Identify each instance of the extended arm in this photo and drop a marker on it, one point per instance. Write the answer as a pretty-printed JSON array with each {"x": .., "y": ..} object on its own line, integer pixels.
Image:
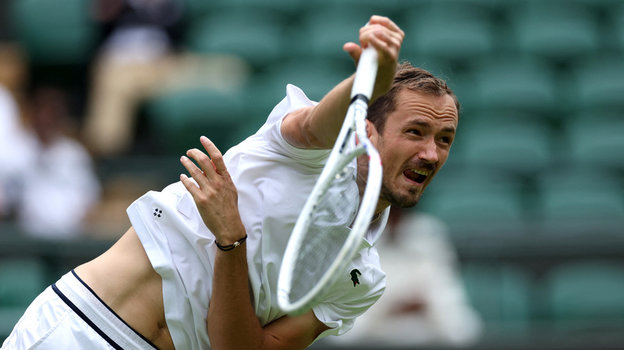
[
  {"x": 231, "y": 321},
  {"x": 318, "y": 126}
]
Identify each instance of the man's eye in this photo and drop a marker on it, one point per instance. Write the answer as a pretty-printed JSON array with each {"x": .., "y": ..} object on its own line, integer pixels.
[{"x": 414, "y": 131}]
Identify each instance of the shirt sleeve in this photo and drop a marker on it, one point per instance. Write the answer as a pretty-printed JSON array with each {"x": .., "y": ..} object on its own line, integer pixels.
[
  {"x": 271, "y": 131},
  {"x": 340, "y": 316},
  {"x": 345, "y": 300}
]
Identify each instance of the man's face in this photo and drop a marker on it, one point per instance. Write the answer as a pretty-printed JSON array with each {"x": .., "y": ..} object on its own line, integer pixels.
[{"x": 413, "y": 145}]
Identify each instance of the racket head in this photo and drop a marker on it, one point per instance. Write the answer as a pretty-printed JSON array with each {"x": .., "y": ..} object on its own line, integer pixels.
[
  {"x": 331, "y": 226},
  {"x": 320, "y": 240},
  {"x": 337, "y": 214}
]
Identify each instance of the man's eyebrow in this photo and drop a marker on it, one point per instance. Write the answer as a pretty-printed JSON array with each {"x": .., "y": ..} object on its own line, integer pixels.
[
  {"x": 419, "y": 122},
  {"x": 422, "y": 123},
  {"x": 451, "y": 129}
]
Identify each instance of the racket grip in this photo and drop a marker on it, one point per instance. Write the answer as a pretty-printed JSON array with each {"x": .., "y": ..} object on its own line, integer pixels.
[{"x": 365, "y": 73}]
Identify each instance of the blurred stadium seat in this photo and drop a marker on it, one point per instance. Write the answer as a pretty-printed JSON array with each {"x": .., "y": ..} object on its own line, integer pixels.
[
  {"x": 322, "y": 31},
  {"x": 586, "y": 295},
  {"x": 516, "y": 145},
  {"x": 390, "y": 8},
  {"x": 215, "y": 7},
  {"x": 514, "y": 83},
  {"x": 197, "y": 8},
  {"x": 180, "y": 117},
  {"x": 558, "y": 30},
  {"x": 254, "y": 35},
  {"x": 501, "y": 294},
  {"x": 316, "y": 76},
  {"x": 453, "y": 31},
  {"x": 55, "y": 32},
  {"x": 595, "y": 139},
  {"x": 25, "y": 280},
  {"x": 597, "y": 83},
  {"x": 580, "y": 200},
  {"x": 616, "y": 17},
  {"x": 22, "y": 279},
  {"x": 475, "y": 201}
]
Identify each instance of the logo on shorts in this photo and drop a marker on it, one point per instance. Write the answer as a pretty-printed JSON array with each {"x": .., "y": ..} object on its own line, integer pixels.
[
  {"x": 157, "y": 212},
  {"x": 354, "y": 276}
]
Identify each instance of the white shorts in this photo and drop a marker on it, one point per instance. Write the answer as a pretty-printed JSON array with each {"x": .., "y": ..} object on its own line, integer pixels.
[{"x": 68, "y": 315}]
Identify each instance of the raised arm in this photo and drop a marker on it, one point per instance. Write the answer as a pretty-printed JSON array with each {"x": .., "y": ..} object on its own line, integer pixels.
[
  {"x": 231, "y": 320},
  {"x": 318, "y": 126}
]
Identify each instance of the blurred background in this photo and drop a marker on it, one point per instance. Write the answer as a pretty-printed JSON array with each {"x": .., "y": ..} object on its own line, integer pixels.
[{"x": 518, "y": 244}]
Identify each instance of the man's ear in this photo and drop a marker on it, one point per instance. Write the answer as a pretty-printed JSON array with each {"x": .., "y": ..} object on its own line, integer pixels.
[
  {"x": 373, "y": 134},
  {"x": 370, "y": 129}
]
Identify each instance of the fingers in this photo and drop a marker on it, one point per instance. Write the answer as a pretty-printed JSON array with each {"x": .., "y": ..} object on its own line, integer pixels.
[
  {"x": 202, "y": 170},
  {"x": 214, "y": 154},
  {"x": 384, "y": 35},
  {"x": 214, "y": 192},
  {"x": 209, "y": 166},
  {"x": 386, "y": 22},
  {"x": 387, "y": 44},
  {"x": 354, "y": 50},
  {"x": 190, "y": 186},
  {"x": 210, "y": 163}
]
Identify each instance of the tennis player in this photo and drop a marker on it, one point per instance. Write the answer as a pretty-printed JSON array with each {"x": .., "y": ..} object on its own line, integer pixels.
[{"x": 199, "y": 266}]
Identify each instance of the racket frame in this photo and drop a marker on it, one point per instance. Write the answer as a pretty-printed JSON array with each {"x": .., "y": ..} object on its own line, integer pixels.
[{"x": 341, "y": 154}]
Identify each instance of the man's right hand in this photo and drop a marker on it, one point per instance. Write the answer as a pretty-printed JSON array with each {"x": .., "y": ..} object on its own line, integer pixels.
[{"x": 387, "y": 38}]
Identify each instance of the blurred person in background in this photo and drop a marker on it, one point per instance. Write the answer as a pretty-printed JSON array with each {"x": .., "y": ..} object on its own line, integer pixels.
[
  {"x": 139, "y": 59},
  {"x": 12, "y": 137},
  {"x": 13, "y": 77},
  {"x": 425, "y": 303},
  {"x": 134, "y": 61},
  {"x": 49, "y": 175}
]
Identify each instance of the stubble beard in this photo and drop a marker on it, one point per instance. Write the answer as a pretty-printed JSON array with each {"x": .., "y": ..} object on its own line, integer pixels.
[{"x": 401, "y": 200}]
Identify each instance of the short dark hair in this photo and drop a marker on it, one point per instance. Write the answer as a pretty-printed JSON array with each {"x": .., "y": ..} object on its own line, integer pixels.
[{"x": 412, "y": 78}]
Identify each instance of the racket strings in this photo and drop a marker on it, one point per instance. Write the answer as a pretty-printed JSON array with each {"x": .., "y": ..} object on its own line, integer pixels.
[{"x": 327, "y": 231}]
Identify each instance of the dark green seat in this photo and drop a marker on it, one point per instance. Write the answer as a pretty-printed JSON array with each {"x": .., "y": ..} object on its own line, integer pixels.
[
  {"x": 55, "y": 31},
  {"x": 505, "y": 83},
  {"x": 558, "y": 30},
  {"x": 179, "y": 118},
  {"x": 256, "y": 36},
  {"x": 324, "y": 30},
  {"x": 472, "y": 201},
  {"x": 595, "y": 139},
  {"x": 316, "y": 76},
  {"x": 616, "y": 21},
  {"x": 597, "y": 84},
  {"x": 587, "y": 295},
  {"x": 572, "y": 204},
  {"x": 518, "y": 146},
  {"x": 501, "y": 294},
  {"x": 447, "y": 30},
  {"x": 21, "y": 280}
]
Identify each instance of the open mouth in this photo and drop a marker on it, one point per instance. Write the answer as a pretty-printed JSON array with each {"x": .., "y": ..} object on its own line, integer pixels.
[{"x": 416, "y": 175}]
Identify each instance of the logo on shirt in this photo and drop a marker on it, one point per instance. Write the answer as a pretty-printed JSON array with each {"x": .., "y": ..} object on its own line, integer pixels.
[
  {"x": 354, "y": 276},
  {"x": 157, "y": 212}
]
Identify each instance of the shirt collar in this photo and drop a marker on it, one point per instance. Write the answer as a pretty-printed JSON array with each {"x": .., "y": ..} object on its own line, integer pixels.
[{"x": 377, "y": 227}]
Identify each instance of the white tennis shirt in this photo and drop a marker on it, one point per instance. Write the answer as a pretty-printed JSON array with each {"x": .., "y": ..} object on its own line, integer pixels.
[{"x": 273, "y": 180}]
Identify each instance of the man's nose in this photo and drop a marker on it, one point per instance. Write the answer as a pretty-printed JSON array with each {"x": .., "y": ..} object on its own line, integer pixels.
[{"x": 429, "y": 151}]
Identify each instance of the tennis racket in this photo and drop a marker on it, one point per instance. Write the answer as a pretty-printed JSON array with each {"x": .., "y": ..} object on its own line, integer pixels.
[{"x": 334, "y": 219}]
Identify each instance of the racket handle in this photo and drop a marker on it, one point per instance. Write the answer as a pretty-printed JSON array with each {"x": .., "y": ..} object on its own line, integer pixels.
[{"x": 365, "y": 73}]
